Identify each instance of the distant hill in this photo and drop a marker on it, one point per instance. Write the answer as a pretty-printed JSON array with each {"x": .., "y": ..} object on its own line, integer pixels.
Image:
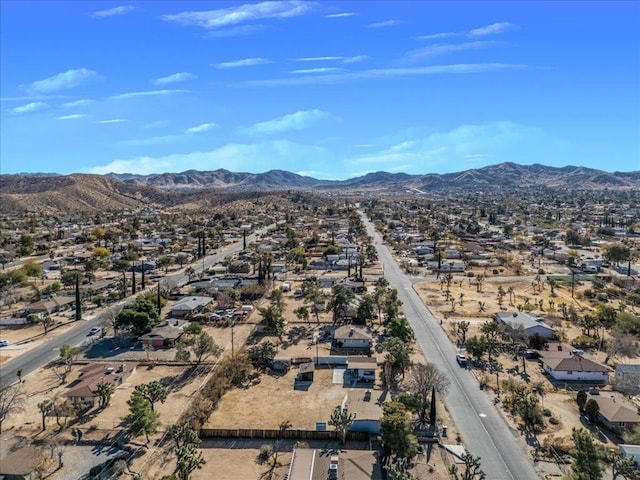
[
  {"x": 114, "y": 191},
  {"x": 75, "y": 192}
]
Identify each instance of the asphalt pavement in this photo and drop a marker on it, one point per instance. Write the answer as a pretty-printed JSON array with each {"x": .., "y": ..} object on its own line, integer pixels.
[{"x": 484, "y": 432}]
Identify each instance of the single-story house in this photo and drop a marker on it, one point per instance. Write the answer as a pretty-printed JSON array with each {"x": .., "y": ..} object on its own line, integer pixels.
[
  {"x": 628, "y": 378},
  {"x": 616, "y": 412},
  {"x": 566, "y": 365},
  {"x": 349, "y": 336},
  {"x": 309, "y": 463},
  {"x": 189, "y": 305},
  {"x": 21, "y": 464},
  {"x": 50, "y": 305},
  {"x": 84, "y": 390},
  {"x": 529, "y": 323},
  {"x": 363, "y": 367},
  {"x": 630, "y": 451},
  {"x": 164, "y": 335}
]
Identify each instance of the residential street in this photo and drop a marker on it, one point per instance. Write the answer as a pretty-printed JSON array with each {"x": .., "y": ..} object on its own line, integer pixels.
[
  {"x": 483, "y": 430},
  {"x": 40, "y": 356}
]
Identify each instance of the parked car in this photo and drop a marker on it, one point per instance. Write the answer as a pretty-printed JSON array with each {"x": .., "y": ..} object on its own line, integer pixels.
[
  {"x": 4, "y": 343},
  {"x": 95, "y": 330},
  {"x": 461, "y": 359}
]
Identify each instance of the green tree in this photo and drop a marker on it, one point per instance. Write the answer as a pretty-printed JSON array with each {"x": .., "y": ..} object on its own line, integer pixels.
[
  {"x": 204, "y": 346},
  {"x": 586, "y": 457},
  {"x": 398, "y": 353},
  {"x": 365, "y": 309},
  {"x": 78, "y": 302},
  {"x": 476, "y": 347},
  {"x": 46, "y": 322},
  {"x": 396, "y": 433},
  {"x": 165, "y": 262},
  {"x": 472, "y": 470},
  {"x": 272, "y": 320},
  {"x": 141, "y": 419},
  {"x": 188, "y": 460},
  {"x": 621, "y": 466},
  {"x": 262, "y": 354},
  {"x": 32, "y": 269},
  {"x": 633, "y": 437},
  {"x": 183, "y": 434},
  {"x": 398, "y": 327},
  {"x": 339, "y": 302},
  {"x": 592, "y": 409},
  {"x": 341, "y": 420},
  {"x": 105, "y": 390},
  {"x": 616, "y": 253},
  {"x": 581, "y": 400},
  {"x": 153, "y": 392}
]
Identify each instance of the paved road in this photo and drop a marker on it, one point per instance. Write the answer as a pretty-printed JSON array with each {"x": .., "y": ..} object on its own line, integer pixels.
[
  {"x": 50, "y": 350},
  {"x": 483, "y": 430}
]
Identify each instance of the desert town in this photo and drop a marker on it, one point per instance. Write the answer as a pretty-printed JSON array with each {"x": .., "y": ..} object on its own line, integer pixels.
[{"x": 305, "y": 335}]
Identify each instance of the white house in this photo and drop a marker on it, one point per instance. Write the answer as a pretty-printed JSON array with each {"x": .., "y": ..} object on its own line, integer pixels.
[
  {"x": 363, "y": 367},
  {"x": 349, "y": 336},
  {"x": 573, "y": 367},
  {"x": 530, "y": 323}
]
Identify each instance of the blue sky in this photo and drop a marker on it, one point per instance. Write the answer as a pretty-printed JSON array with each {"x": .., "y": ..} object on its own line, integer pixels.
[{"x": 330, "y": 89}]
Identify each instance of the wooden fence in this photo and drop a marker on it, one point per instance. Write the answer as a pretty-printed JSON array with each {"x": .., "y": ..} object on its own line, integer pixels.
[{"x": 273, "y": 434}]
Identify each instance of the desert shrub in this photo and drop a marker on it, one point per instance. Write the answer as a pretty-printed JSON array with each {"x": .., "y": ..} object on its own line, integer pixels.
[
  {"x": 585, "y": 341},
  {"x": 546, "y": 412},
  {"x": 554, "y": 421},
  {"x": 588, "y": 293}
]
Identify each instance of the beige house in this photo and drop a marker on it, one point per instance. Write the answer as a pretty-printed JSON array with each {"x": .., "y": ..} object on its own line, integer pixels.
[
  {"x": 616, "y": 412},
  {"x": 84, "y": 392}
]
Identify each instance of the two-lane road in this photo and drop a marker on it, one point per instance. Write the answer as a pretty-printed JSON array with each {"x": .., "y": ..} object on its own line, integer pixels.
[
  {"x": 483, "y": 430},
  {"x": 50, "y": 350}
]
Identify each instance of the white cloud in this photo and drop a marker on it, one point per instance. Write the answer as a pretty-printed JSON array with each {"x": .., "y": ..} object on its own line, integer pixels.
[
  {"x": 237, "y": 31},
  {"x": 147, "y": 93},
  {"x": 340, "y": 59},
  {"x": 492, "y": 29},
  {"x": 174, "y": 78},
  {"x": 205, "y": 127},
  {"x": 244, "y": 62},
  {"x": 340, "y": 15},
  {"x": 30, "y": 107},
  {"x": 226, "y": 17},
  {"x": 65, "y": 80},
  {"x": 316, "y": 70},
  {"x": 113, "y": 11},
  {"x": 457, "y": 148},
  {"x": 446, "y": 48},
  {"x": 381, "y": 73},
  {"x": 356, "y": 59},
  {"x": 386, "y": 23},
  {"x": 317, "y": 59},
  {"x": 112, "y": 120},
  {"x": 253, "y": 157},
  {"x": 73, "y": 116},
  {"x": 78, "y": 103},
  {"x": 287, "y": 123}
]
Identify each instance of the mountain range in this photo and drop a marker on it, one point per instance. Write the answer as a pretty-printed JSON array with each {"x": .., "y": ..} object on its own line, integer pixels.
[
  {"x": 76, "y": 192},
  {"x": 504, "y": 175}
]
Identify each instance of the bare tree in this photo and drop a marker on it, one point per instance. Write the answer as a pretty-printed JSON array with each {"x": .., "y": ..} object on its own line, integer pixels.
[
  {"x": 12, "y": 400},
  {"x": 623, "y": 344},
  {"x": 421, "y": 380}
]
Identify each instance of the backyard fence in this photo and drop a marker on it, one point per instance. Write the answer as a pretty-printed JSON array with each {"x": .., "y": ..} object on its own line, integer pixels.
[{"x": 276, "y": 434}]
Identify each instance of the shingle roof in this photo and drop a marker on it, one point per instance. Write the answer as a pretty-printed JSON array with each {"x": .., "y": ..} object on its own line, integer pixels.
[
  {"x": 574, "y": 363},
  {"x": 616, "y": 409}
]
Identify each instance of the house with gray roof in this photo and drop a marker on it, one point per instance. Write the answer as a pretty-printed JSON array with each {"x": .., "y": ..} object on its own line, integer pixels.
[
  {"x": 628, "y": 378},
  {"x": 531, "y": 324}
]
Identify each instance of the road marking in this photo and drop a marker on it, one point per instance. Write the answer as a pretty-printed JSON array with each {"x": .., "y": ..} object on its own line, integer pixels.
[{"x": 482, "y": 415}]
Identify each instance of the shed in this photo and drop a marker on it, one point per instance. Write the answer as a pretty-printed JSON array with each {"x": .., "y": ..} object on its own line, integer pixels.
[{"x": 305, "y": 372}]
